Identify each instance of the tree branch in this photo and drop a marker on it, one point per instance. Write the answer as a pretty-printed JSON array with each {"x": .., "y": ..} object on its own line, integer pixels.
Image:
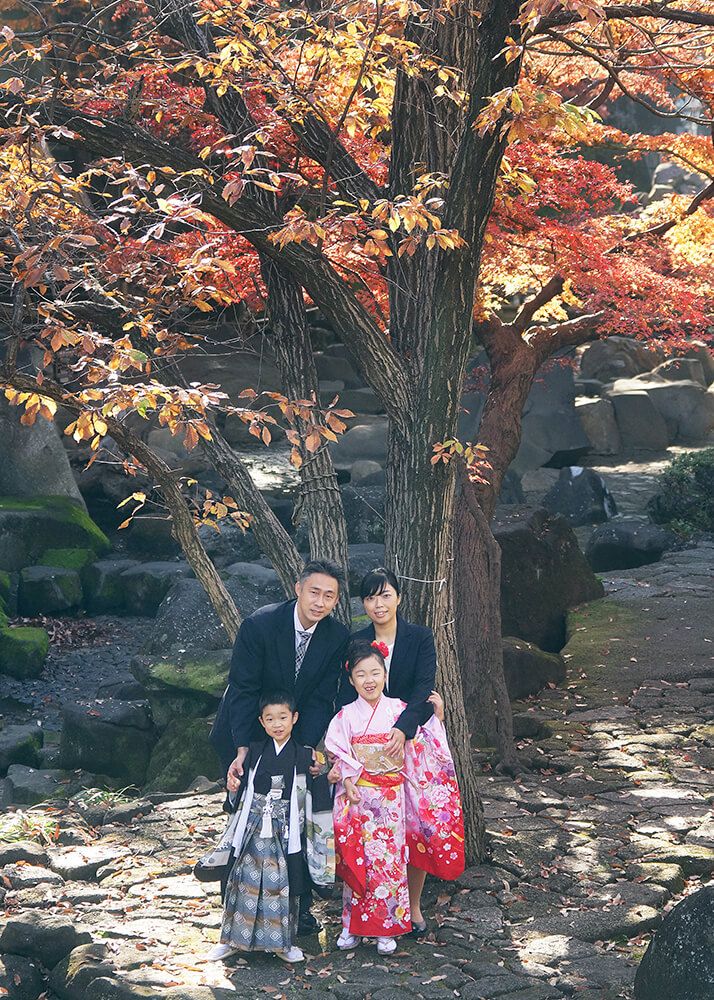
[
  {"x": 620, "y": 11},
  {"x": 548, "y": 340},
  {"x": 553, "y": 287},
  {"x": 368, "y": 346},
  {"x": 163, "y": 475}
]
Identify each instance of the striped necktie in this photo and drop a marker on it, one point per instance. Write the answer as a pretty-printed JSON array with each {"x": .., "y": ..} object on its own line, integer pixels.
[{"x": 301, "y": 650}]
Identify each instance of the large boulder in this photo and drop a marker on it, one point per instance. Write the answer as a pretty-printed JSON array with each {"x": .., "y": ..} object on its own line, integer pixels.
[
  {"x": 551, "y": 431},
  {"x": 626, "y": 544},
  {"x": 581, "y": 496},
  {"x": 360, "y": 401},
  {"x": 20, "y": 745},
  {"x": 149, "y": 537},
  {"x": 30, "y": 785},
  {"x": 640, "y": 425},
  {"x": 186, "y": 619},
  {"x": 527, "y": 668},
  {"x": 263, "y": 579},
  {"x": 331, "y": 368},
  {"x": 47, "y": 590},
  {"x": 364, "y": 514},
  {"x": 115, "y": 738},
  {"x": 686, "y": 407},
  {"x": 681, "y": 370},
  {"x": 363, "y": 558},
  {"x": 145, "y": 585},
  {"x": 42, "y": 937},
  {"x": 598, "y": 419},
  {"x": 182, "y": 754},
  {"x": 76, "y": 559},
  {"x": 20, "y": 978},
  {"x": 229, "y": 544},
  {"x": 28, "y": 527},
  {"x": 366, "y": 471},
  {"x": 705, "y": 356},
  {"x": 33, "y": 460},
  {"x": 679, "y": 961},
  {"x": 618, "y": 357},
  {"x": 104, "y": 590},
  {"x": 186, "y": 685},
  {"x": 543, "y": 573},
  {"x": 23, "y": 651},
  {"x": 365, "y": 440}
]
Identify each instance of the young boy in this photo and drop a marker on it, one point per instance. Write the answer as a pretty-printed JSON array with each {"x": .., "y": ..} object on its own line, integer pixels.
[{"x": 281, "y": 836}]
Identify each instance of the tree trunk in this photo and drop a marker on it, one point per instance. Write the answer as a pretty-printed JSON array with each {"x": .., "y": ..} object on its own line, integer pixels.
[
  {"x": 477, "y": 576},
  {"x": 477, "y": 556},
  {"x": 271, "y": 536},
  {"x": 418, "y": 540},
  {"x": 320, "y": 500}
]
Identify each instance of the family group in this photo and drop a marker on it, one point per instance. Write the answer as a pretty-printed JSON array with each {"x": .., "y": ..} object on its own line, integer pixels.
[{"x": 379, "y": 809}]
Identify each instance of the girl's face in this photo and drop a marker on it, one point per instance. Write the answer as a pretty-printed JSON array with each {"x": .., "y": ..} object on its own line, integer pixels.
[
  {"x": 381, "y": 608},
  {"x": 368, "y": 679}
]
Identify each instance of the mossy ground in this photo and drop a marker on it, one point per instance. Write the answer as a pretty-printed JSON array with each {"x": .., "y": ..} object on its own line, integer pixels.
[{"x": 601, "y": 637}]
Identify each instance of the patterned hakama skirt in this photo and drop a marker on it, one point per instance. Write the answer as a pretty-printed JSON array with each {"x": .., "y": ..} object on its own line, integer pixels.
[{"x": 259, "y": 914}]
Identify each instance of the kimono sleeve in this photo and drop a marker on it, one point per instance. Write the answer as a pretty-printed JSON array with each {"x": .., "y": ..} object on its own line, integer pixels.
[{"x": 338, "y": 741}]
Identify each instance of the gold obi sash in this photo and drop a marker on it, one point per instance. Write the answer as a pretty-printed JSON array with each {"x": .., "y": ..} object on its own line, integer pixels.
[{"x": 380, "y": 770}]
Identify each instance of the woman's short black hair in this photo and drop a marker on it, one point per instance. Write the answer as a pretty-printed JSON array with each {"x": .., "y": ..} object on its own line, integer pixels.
[
  {"x": 277, "y": 698},
  {"x": 360, "y": 650},
  {"x": 376, "y": 580}
]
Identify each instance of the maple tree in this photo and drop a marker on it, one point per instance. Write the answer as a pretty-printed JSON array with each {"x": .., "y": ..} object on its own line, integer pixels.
[{"x": 424, "y": 173}]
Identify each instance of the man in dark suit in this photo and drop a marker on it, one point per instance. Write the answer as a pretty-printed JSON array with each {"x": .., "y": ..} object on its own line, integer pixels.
[{"x": 295, "y": 647}]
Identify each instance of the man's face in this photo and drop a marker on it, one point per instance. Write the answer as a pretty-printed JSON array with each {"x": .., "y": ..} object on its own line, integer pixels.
[
  {"x": 278, "y": 721},
  {"x": 316, "y": 597}
]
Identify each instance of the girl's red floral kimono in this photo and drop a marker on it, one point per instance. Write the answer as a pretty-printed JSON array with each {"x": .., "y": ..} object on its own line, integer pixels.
[{"x": 409, "y": 812}]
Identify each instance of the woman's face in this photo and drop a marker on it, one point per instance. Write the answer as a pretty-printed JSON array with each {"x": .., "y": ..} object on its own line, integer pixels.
[
  {"x": 381, "y": 608},
  {"x": 368, "y": 678}
]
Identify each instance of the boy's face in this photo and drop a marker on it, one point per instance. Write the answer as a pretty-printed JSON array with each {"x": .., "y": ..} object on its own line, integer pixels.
[{"x": 278, "y": 721}]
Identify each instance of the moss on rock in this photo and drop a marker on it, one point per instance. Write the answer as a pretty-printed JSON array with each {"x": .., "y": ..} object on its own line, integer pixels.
[
  {"x": 46, "y": 590},
  {"x": 5, "y": 590},
  {"x": 23, "y": 651},
  {"x": 29, "y": 526},
  {"x": 67, "y": 558},
  {"x": 204, "y": 672},
  {"x": 181, "y": 755}
]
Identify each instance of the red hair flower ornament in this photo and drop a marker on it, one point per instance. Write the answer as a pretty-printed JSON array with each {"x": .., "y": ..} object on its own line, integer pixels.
[{"x": 382, "y": 647}]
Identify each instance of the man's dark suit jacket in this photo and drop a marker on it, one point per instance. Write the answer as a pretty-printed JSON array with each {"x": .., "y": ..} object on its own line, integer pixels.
[
  {"x": 264, "y": 661},
  {"x": 412, "y": 673}
]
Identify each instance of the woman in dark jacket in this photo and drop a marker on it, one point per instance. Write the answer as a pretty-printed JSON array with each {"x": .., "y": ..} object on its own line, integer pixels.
[{"x": 411, "y": 675}]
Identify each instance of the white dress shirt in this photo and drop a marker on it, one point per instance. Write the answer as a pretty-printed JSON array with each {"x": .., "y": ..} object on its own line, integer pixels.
[{"x": 299, "y": 628}]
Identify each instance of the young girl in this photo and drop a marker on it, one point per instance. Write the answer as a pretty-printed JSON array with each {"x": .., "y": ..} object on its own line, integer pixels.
[
  {"x": 280, "y": 836},
  {"x": 388, "y": 810}
]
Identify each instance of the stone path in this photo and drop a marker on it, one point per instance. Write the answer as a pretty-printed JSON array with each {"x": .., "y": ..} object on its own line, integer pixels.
[{"x": 612, "y": 825}]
